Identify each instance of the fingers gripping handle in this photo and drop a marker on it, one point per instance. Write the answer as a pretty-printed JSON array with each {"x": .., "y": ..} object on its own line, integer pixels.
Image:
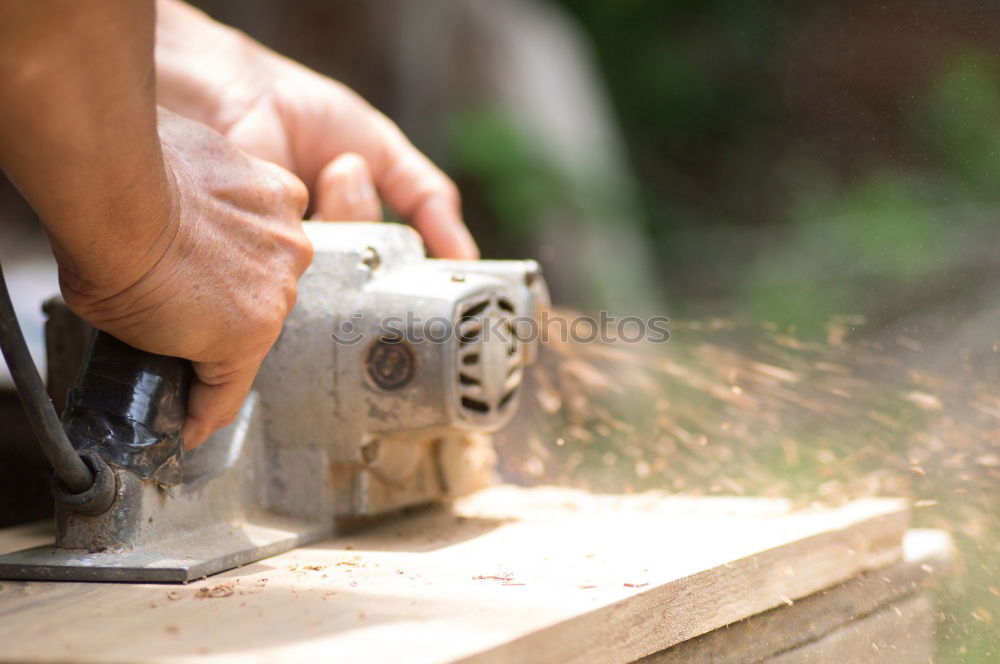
[{"x": 128, "y": 406}]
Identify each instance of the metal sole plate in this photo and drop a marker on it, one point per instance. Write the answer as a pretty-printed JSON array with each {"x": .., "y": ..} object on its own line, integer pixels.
[{"x": 177, "y": 559}]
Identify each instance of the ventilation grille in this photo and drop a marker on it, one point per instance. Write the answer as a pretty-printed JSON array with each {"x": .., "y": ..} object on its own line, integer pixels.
[{"x": 490, "y": 358}]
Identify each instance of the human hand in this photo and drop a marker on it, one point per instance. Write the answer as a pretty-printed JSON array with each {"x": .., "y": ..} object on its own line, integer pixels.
[
  {"x": 220, "y": 279},
  {"x": 278, "y": 110}
]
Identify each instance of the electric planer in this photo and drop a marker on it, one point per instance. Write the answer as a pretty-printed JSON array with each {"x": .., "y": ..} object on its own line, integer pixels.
[{"x": 381, "y": 393}]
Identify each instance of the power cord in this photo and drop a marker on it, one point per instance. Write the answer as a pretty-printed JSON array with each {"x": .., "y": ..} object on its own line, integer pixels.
[{"x": 87, "y": 483}]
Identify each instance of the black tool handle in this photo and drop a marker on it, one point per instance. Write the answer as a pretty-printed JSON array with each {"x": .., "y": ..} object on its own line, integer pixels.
[{"x": 129, "y": 406}]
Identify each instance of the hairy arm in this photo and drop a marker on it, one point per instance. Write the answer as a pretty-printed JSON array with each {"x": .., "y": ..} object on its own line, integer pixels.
[{"x": 78, "y": 132}]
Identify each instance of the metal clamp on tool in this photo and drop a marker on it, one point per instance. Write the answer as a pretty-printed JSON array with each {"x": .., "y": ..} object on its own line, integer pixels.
[{"x": 381, "y": 393}]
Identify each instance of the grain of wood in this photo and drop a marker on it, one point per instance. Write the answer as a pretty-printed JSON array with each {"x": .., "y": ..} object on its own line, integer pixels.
[{"x": 509, "y": 574}]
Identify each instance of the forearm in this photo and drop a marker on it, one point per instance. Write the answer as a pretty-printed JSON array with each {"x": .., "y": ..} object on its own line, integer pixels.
[{"x": 78, "y": 128}]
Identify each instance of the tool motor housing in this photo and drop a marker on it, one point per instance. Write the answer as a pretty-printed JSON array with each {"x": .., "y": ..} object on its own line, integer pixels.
[{"x": 393, "y": 366}]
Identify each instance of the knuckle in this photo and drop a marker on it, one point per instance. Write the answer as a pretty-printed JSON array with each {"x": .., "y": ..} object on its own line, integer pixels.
[
  {"x": 226, "y": 418},
  {"x": 296, "y": 249},
  {"x": 450, "y": 193},
  {"x": 252, "y": 331},
  {"x": 271, "y": 183},
  {"x": 298, "y": 196},
  {"x": 267, "y": 321},
  {"x": 219, "y": 373},
  {"x": 286, "y": 190},
  {"x": 303, "y": 250},
  {"x": 291, "y": 293},
  {"x": 350, "y": 162}
]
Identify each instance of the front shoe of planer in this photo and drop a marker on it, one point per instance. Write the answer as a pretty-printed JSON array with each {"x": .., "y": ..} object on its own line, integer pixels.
[{"x": 381, "y": 393}]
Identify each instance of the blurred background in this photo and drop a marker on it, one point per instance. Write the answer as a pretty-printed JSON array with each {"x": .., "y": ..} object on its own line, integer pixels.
[
  {"x": 788, "y": 160},
  {"x": 808, "y": 186}
]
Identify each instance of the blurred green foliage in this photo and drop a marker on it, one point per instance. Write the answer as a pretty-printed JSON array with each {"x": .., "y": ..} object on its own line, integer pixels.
[
  {"x": 956, "y": 119},
  {"x": 754, "y": 205},
  {"x": 515, "y": 179}
]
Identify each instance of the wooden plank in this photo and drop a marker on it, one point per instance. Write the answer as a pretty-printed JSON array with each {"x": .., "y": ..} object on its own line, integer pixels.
[
  {"x": 927, "y": 553},
  {"x": 508, "y": 575}
]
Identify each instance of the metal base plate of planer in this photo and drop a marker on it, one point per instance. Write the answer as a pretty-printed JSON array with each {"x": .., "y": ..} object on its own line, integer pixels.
[
  {"x": 176, "y": 559},
  {"x": 217, "y": 519}
]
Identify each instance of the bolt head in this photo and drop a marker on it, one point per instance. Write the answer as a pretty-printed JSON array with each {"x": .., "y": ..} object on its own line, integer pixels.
[{"x": 390, "y": 363}]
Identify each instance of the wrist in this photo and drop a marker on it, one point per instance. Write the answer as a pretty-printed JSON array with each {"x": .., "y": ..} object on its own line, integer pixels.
[{"x": 130, "y": 232}]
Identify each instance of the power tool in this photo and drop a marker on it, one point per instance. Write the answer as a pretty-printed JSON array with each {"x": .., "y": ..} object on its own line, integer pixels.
[{"x": 381, "y": 393}]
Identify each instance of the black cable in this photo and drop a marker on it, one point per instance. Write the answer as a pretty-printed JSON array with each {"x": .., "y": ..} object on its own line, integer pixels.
[{"x": 68, "y": 465}]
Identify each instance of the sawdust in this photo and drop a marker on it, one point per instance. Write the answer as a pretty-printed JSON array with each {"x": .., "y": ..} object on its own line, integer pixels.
[
  {"x": 216, "y": 591},
  {"x": 505, "y": 577},
  {"x": 730, "y": 408},
  {"x": 752, "y": 409}
]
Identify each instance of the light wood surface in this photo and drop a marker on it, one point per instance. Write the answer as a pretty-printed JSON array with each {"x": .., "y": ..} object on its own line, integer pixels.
[{"x": 507, "y": 575}]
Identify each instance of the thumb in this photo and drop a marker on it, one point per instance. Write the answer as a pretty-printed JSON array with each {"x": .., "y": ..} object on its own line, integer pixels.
[{"x": 217, "y": 392}]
